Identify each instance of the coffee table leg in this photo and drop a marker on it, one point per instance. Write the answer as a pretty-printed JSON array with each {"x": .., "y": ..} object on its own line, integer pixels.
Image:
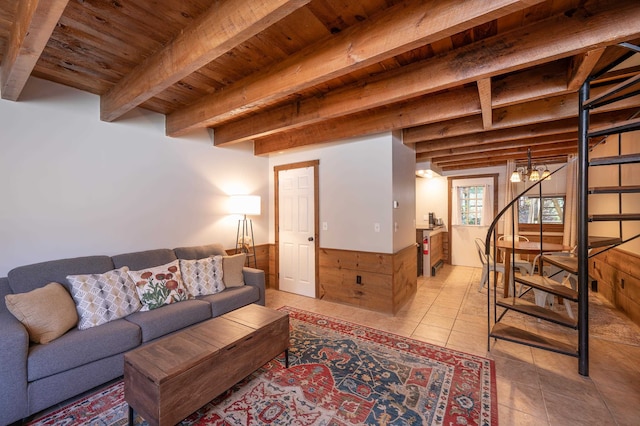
[
  {"x": 286, "y": 358},
  {"x": 130, "y": 415}
]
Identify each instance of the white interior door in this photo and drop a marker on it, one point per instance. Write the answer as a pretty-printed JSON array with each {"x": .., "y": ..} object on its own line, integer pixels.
[{"x": 296, "y": 220}]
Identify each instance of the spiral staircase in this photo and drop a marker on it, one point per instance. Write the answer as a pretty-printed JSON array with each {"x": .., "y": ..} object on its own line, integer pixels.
[{"x": 574, "y": 264}]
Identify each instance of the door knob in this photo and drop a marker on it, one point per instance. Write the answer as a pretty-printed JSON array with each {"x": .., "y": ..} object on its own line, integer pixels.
[{"x": 310, "y": 238}]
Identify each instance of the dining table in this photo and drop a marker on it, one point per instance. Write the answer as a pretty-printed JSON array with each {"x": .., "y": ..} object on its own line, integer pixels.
[{"x": 524, "y": 247}]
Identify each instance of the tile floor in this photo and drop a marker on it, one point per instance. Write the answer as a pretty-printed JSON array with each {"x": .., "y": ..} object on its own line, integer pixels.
[{"x": 535, "y": 387}]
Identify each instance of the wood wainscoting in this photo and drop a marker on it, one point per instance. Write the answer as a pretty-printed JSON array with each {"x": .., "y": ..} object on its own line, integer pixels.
[
  {"x": 377, "y": 281},
  {"x": 618, "y": 275}
]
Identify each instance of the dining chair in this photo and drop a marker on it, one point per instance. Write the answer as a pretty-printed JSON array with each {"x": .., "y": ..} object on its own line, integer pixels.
[
  {"x": 488, "y": 263},
  {"x": 560, "y": 275},
  {"x": 525, "y": 267}
]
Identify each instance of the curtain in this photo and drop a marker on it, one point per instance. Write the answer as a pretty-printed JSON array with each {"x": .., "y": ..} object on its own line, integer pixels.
[
  {"x": 455, "y": 205},
  {"x": 487, "y": 205},
  {"x": 570, "y": 234},
  {"x": 510, "y": 193}
]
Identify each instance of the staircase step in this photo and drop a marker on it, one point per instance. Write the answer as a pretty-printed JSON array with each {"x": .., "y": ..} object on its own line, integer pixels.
[
  {"x": 550, "y": 286},
  {"x": 524, "y": 337},
  {"x": 615, "y": 189},
  {"x": 621, "y": 127},
  {"x": 614, "y": 217},
  {"x": 529, "y": 308},
  {"x": 568, "y": 263},
  {"x": 619, "y": 159},
  {"x": 597, "y": 241},
  {"x": 613, "y": 94}
]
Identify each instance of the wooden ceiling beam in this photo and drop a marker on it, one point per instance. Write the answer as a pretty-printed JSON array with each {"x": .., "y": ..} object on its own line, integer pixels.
[
  {"x": 458, "y": 103},
  {"x": 582, "y": 66},
  {"x": 537, "y": 149},
  {"x": 555, "y": 38},
  {"x": 505, "y": 144},
  {"x": 482, "y": 160},
  {"x": 484, "y": 91},
  {"x": 221, "y": 28},
  {"x": 34, "y": 22},
  {"x": 401, "y": 28}
]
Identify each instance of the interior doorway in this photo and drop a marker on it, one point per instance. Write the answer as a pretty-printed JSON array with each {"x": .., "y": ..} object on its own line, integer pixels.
[
  {"x": 296, "y": 225},
  {"x": 461, "y": 236}
]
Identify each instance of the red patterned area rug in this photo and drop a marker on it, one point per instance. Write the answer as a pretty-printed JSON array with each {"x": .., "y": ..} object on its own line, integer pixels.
[{"x": 340, "y": 373}]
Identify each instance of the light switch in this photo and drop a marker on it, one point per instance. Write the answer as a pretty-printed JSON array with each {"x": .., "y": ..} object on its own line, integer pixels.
[
  {"x": 376, "y": 227},
  {"x": 324, "y": 226}
]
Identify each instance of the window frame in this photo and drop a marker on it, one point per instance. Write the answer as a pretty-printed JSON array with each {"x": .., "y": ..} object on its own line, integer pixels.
[
  {"x": 474, "y": 211},
  {"x": 546, "y": 227}
]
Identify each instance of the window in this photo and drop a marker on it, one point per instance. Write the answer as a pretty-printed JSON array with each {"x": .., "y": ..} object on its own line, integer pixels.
[
  {"x": 552, "y": 210},
  {"x": 470, "y": 202}
]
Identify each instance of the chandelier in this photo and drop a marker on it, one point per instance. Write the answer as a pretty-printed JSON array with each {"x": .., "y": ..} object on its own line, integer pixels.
[{"x": 529, "y": 172}]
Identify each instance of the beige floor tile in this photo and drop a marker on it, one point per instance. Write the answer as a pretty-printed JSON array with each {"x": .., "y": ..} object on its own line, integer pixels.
[
  {"x": 471, "y": 327},
  {"x": 444, "y": 311},
  {"x": 564, "y": 410},
  {"x": 523, "y": 397},
  {"x": 624, "y": 405},
  {"x": 438, "y": 321},
  {"x": 515, "y": 371},
  {"x": 431, "y": 334},
  {"x": 512, "y": 417}
]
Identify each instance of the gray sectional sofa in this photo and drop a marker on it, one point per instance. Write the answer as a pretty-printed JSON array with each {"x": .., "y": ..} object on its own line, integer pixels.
[{"x": 34, "y": 377}]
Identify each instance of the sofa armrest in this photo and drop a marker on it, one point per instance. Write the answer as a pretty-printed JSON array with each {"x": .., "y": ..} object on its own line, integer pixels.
[
  {"x": 14, "y": 348},
  {"x": 255, "y": 277}
]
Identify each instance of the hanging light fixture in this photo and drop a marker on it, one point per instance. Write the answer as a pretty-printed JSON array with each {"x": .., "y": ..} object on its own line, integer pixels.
[{"x": 530, "y": 173}]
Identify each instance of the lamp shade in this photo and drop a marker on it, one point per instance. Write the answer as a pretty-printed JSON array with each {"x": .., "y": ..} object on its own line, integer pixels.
[{"x": 245, "y": 204}]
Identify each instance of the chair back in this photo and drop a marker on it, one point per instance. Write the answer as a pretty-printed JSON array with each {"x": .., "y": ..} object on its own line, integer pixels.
[{"x": 481, "y": 251}]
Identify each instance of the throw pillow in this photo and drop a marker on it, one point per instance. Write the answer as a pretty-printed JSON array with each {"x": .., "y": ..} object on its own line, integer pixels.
[
  {"x": 232, "y": 270},
  {"x": 203, "y": 276},
  {"x": 46, "y": 312},
  {"x": 101, "y": 298},
  {"x": 159, "y": 286}
]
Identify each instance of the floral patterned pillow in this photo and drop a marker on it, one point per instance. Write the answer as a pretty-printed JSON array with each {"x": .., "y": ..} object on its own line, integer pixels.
[{"x": 159, "y": 286}]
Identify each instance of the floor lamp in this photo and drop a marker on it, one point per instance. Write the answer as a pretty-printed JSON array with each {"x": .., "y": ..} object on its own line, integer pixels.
[{"x": 246, "y": 205}]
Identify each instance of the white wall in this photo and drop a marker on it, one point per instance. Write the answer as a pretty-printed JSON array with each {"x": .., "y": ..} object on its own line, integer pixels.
[
  {"x": 608, "y": 203},
  {"x": 71, "y": 185},
  {"x": 431, "y": 196},
  {"x": 356, "y": 192},
  {"x": 404, "y": 191}
]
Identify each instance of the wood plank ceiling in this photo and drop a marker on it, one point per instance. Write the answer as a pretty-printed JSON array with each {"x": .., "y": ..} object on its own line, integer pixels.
[{"x": 471, "y": 83}]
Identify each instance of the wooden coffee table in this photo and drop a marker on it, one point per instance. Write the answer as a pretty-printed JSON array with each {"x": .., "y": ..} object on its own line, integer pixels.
[{"x": 167, "y": 380}]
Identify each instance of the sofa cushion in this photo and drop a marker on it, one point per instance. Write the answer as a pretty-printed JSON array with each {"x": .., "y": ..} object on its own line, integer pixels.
[
  {"x": 101, "y": 298},
  {"x": 159, "y": 286},
  {"x": 202, "y": 276},
  {"x": 79, "y": 347},
  {"x": 170, "y": 318},
  {"x": 199, "y": 252},
  {"x": 26, "y": 278},
  {"x": 231, "y": 298},
  {"x": 143, "y": 259},
  {"x": 232, "y": 270},
  {"x": 46, "y": 312}
]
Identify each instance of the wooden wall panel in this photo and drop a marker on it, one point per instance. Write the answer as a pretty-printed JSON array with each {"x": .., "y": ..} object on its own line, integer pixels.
[
  {"x": 405, "y": 283},
  {"x": 387, "y": 281},
  {"x": 618, "y": 276}
]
